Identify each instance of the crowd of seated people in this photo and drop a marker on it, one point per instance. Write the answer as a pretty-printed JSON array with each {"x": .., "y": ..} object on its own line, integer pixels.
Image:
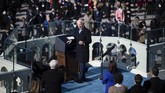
[
  {"x": 119, "y": 17},
  {"x": 39, "y": 23},
  {"x": 8, "y": 9}
]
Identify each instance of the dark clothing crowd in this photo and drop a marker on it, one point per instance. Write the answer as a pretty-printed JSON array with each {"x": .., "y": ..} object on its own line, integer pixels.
[
  {"x": 61, "y": 18},
  {"x": 62, "y": 13}
]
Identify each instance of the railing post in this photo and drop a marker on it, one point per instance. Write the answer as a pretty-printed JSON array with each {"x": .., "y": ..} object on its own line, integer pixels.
[{"x": 148, "y": 50}]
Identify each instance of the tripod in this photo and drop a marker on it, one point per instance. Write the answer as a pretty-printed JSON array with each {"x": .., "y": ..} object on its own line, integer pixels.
[
  {"x": 109, "y": 49},
  {"x": 100, "y": 57}
]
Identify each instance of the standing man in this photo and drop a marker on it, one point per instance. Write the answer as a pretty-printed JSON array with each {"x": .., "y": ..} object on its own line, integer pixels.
[
  {"x": 53, "y": 78},
  {"x": 154, "y": 84},
  {"x": 82, "y": 36}
]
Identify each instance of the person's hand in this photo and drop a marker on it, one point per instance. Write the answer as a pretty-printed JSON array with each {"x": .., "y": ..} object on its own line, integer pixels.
[
  {"x": 81, "y": 42},
  {"x": 69, "y": 41}
]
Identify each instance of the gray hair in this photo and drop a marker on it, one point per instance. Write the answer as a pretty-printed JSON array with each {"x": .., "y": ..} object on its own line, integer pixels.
[{"x": 53, "y": 64}]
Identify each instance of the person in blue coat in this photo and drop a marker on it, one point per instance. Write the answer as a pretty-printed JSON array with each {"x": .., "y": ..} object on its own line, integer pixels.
[{"x": 108, "y": 76}]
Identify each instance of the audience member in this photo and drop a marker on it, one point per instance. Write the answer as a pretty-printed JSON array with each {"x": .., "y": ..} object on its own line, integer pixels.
[
  {"x": 107, "y": 10},
  {"x": 38, "y": 69},
  {"x": 52, "y": 79},
  {"x": 108, "y": 77},
  {"x": 106, "y": 29},
  {"x": 135, "y": 28},
  {"x": 127, "y": 12},
  {"x": 46, "y": 26},
  {"x": 112, "y": 3},
  {"x": 143, "y": 27},
  {"x": 77, "y": 10},
  {"x": 35, "y": 86},
  {"x": 119, "y": 13},
  {"x": 156, "y": 33},
  {"x": 149, "y": 6},
  {"x": 158, "y": 7},
  {"x": 97, "y": 17},
  {"x": 3, "y": 36},
  {"x": 90, "y": 5},
  {"x": 88, "y": 21},
  {"x": 154, "y": 84},
  {"x": 52, "y": 14},
  {"x": 118, "y": 87},
  {"x": 120, "y": 19},
  {"x": 140, "y": 4},
  {"x": 137, "y": 88}
]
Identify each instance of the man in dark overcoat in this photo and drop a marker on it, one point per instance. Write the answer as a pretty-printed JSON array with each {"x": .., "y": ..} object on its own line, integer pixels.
[
  {"x": 83, "y": 38},
  {"x": 52, "y": 79}
]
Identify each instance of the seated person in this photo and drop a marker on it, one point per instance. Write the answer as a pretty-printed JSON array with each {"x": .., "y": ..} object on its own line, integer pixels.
[
  {"x": 53, "y": 78},
  {"x": 137, "y": 88},
  {"x": 118, "y": 87}
]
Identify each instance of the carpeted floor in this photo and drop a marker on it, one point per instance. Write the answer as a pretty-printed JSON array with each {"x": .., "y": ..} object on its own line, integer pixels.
[{"x": 93, "y": 84}]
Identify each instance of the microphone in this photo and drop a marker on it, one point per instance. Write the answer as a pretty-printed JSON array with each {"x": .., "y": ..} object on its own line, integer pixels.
[{"x": 109, "y": 49}]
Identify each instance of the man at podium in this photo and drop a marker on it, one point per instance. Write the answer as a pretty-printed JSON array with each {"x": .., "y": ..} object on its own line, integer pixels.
[{"x": 83, "y": 38}]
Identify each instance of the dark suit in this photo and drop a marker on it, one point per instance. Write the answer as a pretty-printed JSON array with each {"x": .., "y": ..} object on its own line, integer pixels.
[
  {"x": 5, "y": 22},
  {"x": 137, "y": 89},
  {"x": 52, "y": 80},
  {"x": 97, "y": 16},
  {"x": 82, "y": 50},
  {"x": 155, "y": 85},
  {"x": 52, "y": 15},
  {"x": 41, "y": 17},
  {"x": 77, "y": 11}
]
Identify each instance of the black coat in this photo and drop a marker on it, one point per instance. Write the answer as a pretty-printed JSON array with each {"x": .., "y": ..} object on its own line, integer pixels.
[
  {"x": 5, "y": 22},
  {"x": 137, "y": 89},
  {"x": 155, "y": 85},
  {"x": 82, "y": 51},
  {"x": 52, "y": 16},
  {"x": 52, "y": 80}
]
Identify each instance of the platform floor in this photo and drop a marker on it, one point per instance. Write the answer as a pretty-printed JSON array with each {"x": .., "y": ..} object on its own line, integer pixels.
[{"x": 94, "y": 84}]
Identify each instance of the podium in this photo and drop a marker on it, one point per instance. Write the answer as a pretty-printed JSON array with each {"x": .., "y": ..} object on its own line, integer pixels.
[{"x": 66, "y": 56}]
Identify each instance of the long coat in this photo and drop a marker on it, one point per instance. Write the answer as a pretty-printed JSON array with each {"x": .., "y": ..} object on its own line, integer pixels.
[
  {"x": 82, "y": 51},
  {"x": 52, "y": 80},
  {"x": 154, "y": 85},
  {"x": 137, "y": 89}
]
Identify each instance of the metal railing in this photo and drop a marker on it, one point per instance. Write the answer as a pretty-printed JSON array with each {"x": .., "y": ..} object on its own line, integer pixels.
[{"x": 15, "y": 81}]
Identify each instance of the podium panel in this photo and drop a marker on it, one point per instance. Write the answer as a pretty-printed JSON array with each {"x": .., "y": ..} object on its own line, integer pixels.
[{"x": 66, "y": 56}]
